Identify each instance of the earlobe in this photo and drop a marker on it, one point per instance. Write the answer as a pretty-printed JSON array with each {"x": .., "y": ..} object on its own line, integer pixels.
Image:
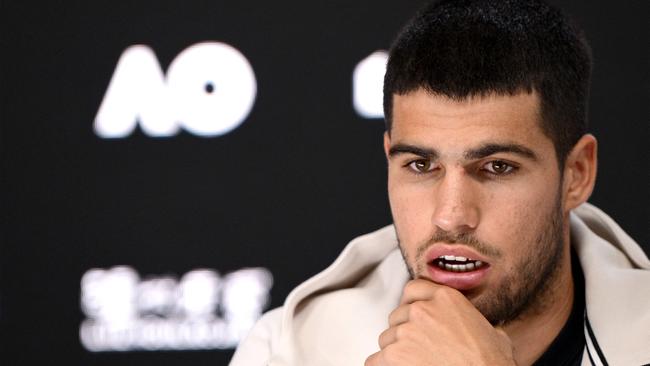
[{"x": 580, "y": 171}]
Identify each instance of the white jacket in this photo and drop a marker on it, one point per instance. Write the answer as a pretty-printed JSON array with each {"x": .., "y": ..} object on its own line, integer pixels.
[{"x": 335, "y": 317}]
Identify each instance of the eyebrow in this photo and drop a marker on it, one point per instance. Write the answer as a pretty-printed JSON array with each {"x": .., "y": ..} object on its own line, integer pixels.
[
  {"x": 473, "y": 154},
  {"x": 492, "y": 148},
  {"x": 424, "y": 152}
]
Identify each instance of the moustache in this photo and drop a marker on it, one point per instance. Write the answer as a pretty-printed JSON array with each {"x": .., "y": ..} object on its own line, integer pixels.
[{"x": 462, "y": 238}]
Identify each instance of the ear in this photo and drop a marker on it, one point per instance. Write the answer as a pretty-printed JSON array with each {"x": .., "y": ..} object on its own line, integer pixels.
[
  {"x": 580, "y": 172},
  {"x": 386, "y": 143}
]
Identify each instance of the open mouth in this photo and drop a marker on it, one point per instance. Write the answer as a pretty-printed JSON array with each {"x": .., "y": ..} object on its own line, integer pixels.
[{"x": 453, "y": 263}]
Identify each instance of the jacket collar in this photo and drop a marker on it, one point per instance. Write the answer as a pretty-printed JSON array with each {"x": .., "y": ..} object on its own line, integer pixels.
[{"x": 616, "y": 271}]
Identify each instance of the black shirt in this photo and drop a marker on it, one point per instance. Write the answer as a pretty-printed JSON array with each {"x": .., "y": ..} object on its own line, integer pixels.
[{"x": 568, "y": 346}]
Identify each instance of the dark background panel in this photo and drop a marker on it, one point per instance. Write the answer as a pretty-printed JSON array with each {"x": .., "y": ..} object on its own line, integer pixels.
[{"x": 286, "y": 190}]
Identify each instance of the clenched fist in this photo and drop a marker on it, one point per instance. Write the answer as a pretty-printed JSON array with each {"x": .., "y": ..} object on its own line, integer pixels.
[{"x": 438, "y": 325}]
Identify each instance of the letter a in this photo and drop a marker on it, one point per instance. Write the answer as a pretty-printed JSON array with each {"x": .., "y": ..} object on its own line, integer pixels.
[{"x": 136, "y": 94}]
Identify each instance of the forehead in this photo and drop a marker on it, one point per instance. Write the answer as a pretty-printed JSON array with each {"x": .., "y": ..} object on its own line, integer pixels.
[{"x": 423, "y": 118}]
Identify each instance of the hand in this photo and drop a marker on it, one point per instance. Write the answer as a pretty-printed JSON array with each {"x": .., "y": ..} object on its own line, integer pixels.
[{"x": 437, "y": 325}]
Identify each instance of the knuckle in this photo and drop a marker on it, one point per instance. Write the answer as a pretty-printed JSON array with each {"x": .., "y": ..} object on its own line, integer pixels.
[
  {"x": 395, "y": 314},
  {"x": 393, "y": 355},
  {"x": 446, "y": 293},
  {"x": 410, "y": 287},
  {"x": 418, "y": 310},
  {"x": 383, "y": 338},
  {"x": 404, "y": 331},
  {"x": 416, "y": 286},
  {"x": 370, "y": 360},
  {"x": 400, "y": 331}
]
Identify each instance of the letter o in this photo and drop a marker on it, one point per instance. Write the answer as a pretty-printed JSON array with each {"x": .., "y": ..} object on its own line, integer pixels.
[{"x": 213, "y": 87}]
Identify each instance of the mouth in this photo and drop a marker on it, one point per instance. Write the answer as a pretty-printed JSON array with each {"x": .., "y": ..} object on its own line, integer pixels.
[
  {"x": 456, "y": 266},
  {"x": 451, "y": 263}
]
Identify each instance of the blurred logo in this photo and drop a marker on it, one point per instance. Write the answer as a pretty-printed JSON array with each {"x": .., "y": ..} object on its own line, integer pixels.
[
  {"x": 209, "y": 90},
  {"x": 202, "y": 310},
  {"x": 368, "y": 85}
]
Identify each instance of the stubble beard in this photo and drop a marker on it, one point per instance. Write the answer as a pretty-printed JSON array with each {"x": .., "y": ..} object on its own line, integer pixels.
[{"x": 527, "y": 289}]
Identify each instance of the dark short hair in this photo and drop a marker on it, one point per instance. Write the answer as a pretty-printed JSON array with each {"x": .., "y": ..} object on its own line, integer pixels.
[{"x": 465, "y": 48}]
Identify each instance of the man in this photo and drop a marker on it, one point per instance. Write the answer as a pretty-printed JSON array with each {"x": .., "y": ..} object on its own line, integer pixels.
[{"x": 494, "y": 257}]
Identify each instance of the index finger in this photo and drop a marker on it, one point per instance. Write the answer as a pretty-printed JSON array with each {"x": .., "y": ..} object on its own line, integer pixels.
[{"x": 418, "y": 289}]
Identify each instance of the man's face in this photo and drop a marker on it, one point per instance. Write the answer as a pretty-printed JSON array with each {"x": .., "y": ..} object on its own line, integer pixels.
[{"x": 474, "y": 188}]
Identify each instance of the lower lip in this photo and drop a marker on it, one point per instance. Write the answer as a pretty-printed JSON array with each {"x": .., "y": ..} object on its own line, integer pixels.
[{"x": 458, "y": 280}]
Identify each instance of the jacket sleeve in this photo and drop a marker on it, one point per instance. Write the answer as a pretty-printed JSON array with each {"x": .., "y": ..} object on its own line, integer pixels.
[{"x": 257, "y": 347}]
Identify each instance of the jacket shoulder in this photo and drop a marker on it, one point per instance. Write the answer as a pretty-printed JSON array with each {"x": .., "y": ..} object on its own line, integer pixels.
[{"x": 257, "y": 346}]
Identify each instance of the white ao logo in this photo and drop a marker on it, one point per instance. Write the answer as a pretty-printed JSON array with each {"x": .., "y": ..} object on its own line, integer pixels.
[
  {"x": 368, "y": 84},
  {"x": 209, "y": 90}
]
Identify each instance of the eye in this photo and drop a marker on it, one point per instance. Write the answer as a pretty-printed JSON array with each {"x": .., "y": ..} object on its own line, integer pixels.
[
  {"x": 498, "y": 167},
  {"x": 421, "y": 166}
]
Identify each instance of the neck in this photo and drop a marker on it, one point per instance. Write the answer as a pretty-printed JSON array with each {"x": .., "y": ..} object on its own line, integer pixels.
[{"x": 534, "y": 332}]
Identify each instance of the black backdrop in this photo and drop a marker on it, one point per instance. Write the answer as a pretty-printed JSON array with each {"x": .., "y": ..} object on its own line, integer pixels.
[{"x": 301, "y": 176}]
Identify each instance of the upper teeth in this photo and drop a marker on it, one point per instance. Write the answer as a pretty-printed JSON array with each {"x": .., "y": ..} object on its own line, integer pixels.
[{"x": 453, "y": 258}]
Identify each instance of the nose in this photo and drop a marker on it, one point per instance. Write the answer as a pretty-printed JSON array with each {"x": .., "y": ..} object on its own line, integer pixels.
[{"x": 456, "y": 207}]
